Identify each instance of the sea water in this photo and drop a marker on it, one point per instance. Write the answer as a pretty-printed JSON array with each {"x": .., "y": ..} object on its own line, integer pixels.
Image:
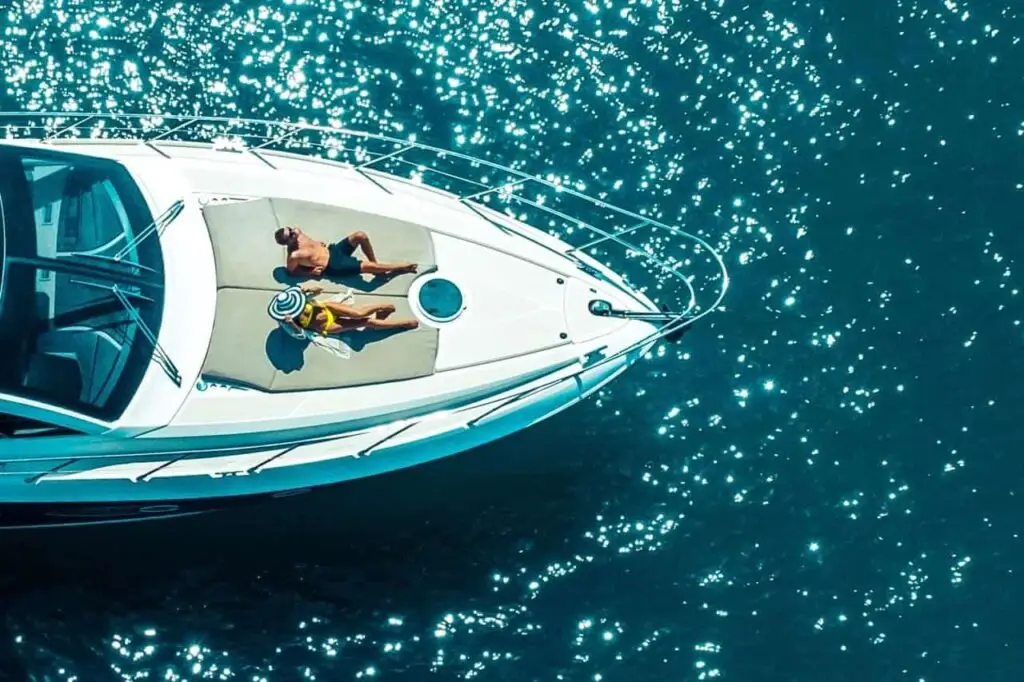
[{"x": 820, "y": 482}]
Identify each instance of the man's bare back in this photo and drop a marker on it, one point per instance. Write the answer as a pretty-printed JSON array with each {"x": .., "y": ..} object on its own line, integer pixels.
[
  {"x": 306, "y": 253},
  {"x": 311, "y": 256}
]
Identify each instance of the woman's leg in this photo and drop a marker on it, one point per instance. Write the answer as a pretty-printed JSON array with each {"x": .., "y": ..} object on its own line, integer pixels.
[
  {"x": 370, "y": 266},
  {"x": 374, "y": 323},
  {"x": 359, "y": 311},
  {"x": 346, "y": 325}
]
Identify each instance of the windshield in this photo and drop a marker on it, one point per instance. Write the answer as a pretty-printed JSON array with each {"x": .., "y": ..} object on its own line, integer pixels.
[{"x": 74, "y": 250}]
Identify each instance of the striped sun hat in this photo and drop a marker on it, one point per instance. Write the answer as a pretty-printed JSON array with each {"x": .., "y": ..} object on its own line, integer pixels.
[{"x": 289, "y": 302}]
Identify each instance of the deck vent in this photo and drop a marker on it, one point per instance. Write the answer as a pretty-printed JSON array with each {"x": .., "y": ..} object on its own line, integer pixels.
[{"x": 441, "y": 299}]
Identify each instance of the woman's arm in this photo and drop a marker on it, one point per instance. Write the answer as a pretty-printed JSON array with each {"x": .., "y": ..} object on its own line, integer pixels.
[
  {"x": 312, "y": 291},
  {"x": 291, "y": 324}
]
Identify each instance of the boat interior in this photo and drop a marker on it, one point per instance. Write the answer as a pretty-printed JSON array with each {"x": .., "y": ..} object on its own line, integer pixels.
[{"x": 64, "y": 217}]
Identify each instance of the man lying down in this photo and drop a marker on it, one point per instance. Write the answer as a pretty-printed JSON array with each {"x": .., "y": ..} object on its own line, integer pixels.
[{"x": 308, "y": 256}]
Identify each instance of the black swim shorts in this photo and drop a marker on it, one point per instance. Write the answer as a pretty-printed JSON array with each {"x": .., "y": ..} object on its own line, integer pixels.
[{"x": 340, "y": 260}]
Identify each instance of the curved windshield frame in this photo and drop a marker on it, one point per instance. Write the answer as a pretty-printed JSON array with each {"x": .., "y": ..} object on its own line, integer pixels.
[{"x": 73, "y": 245}]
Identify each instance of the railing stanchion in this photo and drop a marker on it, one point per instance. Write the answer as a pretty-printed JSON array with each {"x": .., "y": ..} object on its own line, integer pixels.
[
  {"x": 163, "y": 465},
  {"x": 397, "y": 152},
  {"x": 75, "y": 124},
  {"x": 255, "y": 469},
  {"x": 171, "y": 131},
  {"x": 486, "y": 217},
  {"x": 279, "y": 138},
  {"x": 369, "y": 177},
  {"x": 41, "y": 474},
  {"x": 261, "y": 158},
  {"x": 385, "y": 439},
  {"x": 595, "y": 242},
  {"x": 159, "y": 151},
  {"x": 496, "y": 188},
  {"x": 515, "y": 398}
]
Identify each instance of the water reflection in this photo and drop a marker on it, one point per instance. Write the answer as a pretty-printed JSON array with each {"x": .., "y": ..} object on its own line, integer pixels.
[{"x": 722, "y": 502}]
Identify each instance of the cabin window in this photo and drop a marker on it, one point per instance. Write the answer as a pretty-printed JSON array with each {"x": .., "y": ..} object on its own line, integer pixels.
[{"x": 82, "y": 281}]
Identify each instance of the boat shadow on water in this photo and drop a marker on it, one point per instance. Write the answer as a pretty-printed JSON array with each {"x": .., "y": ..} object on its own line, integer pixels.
[
  {"x": 467, "y": 511},
  {"x": 416, "y": 544}
]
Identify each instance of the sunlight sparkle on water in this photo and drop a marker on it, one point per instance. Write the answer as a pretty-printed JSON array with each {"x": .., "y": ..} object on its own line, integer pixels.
[{"x": 722, "y": 122}]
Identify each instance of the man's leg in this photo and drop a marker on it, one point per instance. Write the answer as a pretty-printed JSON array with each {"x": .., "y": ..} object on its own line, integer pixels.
[
  {"x": 371, "y": 266},
  {"x": 361, "y": 240},
  {"x": 375, "y": 268}
]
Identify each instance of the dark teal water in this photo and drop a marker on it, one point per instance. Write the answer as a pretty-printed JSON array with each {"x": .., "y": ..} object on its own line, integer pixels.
[{"x": 820, "y": 484}]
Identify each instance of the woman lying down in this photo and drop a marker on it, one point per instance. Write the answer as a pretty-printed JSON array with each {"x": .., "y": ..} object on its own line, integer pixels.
[{"x": 300, "y": 313}]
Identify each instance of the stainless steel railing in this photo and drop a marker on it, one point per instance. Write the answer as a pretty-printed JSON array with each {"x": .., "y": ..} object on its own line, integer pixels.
[{"x": 491, "y": 189}]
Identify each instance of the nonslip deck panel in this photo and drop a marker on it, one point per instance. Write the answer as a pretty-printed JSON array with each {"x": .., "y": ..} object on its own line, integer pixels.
[
  {"x": 247, "y": 256},
  {"x": 248, "y": 347}
]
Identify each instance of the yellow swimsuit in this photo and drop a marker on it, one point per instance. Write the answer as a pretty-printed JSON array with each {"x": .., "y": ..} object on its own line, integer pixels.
[{"x": 307, "y": 316}]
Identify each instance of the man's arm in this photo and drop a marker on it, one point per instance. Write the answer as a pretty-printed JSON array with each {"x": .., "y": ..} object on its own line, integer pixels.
[{"x": 293, "y": 264}]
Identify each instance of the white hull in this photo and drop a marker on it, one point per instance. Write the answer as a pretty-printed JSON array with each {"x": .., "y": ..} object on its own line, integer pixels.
[
  {"x": 332, "y": 460},
  {"x": 524, "y": 345}
]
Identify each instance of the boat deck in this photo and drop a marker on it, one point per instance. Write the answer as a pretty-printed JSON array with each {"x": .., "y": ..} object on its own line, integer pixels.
[{"x": 249, "y": 348}]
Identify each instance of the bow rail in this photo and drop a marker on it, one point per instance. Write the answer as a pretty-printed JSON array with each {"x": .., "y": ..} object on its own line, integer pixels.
[{"x": 589, "y": 225}]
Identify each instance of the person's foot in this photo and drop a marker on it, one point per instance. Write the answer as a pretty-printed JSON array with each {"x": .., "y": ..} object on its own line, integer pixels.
[{"x": 399, "y": 270}]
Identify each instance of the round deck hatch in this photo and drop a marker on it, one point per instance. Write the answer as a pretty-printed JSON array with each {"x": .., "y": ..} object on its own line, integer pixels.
[{"x": 440, "y": 299}]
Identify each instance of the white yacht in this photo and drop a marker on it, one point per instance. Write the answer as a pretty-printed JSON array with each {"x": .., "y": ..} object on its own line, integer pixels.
[{"x": 142, "y": 375}]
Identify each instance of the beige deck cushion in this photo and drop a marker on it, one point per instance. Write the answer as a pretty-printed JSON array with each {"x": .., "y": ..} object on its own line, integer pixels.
[
  {"x": 248, "y": 257},
  {"x": 249, "y": 348}
]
